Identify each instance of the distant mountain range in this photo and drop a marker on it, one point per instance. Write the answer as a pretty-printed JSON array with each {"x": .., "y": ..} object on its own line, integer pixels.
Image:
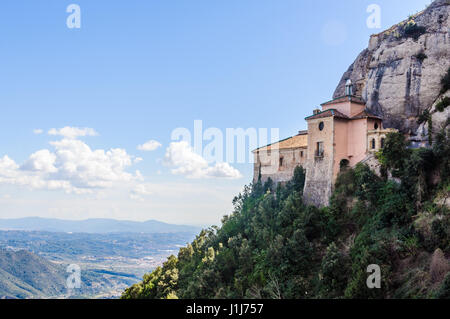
[{"x": 99, "y": 226}]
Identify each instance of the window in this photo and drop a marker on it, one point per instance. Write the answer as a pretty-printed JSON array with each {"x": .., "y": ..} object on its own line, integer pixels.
[
  {"x": 344, "y": 164},
  {"x": 281, "y": 161},
  {"x": 321, "y": 126},
  {"x": 319, "y": 150},
  {"x": 376, "y": 126},
  {"x": 373, "y": 143},
  {"x": 301, "y": 154},
  {"x": 382, "y": 142}
]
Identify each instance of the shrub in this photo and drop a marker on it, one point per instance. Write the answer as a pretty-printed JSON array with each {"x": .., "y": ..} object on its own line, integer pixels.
[
  {"x": 423, "y": 117},
  {"x": 395, "y": 152},
  {"x": 367, "y": 183},
  {"x": 412, "y": 30},
  {"x": 421, "y": 56},
  {"x": 442, "y": 104},
  {"x": 334, "y": 271},
  {"x": 444, "y": 290},
  {"x": 439, "y": 266},
  {"x": 439, "y": 233}
]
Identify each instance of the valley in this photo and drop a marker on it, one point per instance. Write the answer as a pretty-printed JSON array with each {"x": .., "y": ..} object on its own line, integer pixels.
[{"x": 109, "y": 262}]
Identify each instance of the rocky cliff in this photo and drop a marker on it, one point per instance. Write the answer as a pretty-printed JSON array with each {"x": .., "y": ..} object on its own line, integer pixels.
[{"x": 399, "y": 74}]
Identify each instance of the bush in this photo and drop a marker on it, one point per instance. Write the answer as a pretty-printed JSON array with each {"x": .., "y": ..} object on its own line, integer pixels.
[
  {"x": 444, "y": 290},
  {"x": 439, "y": 233},
  {"x": 423, "y": 117},
  {"x": 412, "y": 30},
  {"x": 395, "y": 152},
  {"x": 421, "y": 56},
  {"x": 334, "y": 272},
  {"x": 442, "y": 104}
]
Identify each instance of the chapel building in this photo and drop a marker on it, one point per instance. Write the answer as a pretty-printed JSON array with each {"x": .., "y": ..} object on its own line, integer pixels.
[{"x": 342, "y": 133}]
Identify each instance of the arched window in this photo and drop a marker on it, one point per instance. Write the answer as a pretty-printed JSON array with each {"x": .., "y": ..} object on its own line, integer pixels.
[
  {"x": 344, "y": 164},
  {"x": 373, "y": 143},
  {"x": 376, "y": 126},
  {"x": 281, "y": 161}
]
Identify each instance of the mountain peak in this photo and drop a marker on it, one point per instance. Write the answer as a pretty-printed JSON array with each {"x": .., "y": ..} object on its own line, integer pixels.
[{"x": 399, "y": 74}]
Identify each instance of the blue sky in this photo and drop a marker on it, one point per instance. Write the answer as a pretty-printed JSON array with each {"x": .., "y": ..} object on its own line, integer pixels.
[{"x": 135, "y": 71}]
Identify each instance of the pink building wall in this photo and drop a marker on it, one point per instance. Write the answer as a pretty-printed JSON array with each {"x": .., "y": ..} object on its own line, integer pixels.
[
  {"x": 346, "y": 107},
  {"x": 341, "y": 143},
  {"x": 357, "y": 140}
]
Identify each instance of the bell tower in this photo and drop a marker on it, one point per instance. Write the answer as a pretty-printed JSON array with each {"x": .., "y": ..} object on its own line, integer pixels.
[{"x": 349, "y": 88}]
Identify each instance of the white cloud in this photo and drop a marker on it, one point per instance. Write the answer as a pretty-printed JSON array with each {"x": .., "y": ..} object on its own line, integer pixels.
[
  {"x": 141, "y": 190},
  {"x": 149, "y": 146},
  {"x": 185, "y": 161},
  {"x": 8, "y": 167},
  {"x": 88, "y": 168},
  {"x": 73, "y": 132},
  {"x": 38, "y": 131},
  {"x": 42, "y": 160},
  {"x": 73, "y": 167}
]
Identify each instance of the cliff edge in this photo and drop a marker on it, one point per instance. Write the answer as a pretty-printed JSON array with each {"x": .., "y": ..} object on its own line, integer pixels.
[{"x": 399, "y": 74}]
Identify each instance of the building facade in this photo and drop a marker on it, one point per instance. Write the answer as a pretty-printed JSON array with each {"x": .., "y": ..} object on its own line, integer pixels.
[
  {"x": 342, "y": 133},
  {"x": 279, "y": 160}
]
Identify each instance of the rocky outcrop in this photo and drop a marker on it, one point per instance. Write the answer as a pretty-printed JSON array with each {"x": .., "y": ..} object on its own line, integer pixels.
[{"x": 399, "y": 74}]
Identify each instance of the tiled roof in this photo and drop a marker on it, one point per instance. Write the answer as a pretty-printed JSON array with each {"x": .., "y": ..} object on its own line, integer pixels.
[
  {"x": 365, "y": 114},
  {"x": 297, "y": 141},
  {"x": 327, "y": 113},
  {"x": 352, "y": 98}
]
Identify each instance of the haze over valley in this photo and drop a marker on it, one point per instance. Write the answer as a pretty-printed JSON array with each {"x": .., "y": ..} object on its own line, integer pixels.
[{"x": 36, "y": 253}]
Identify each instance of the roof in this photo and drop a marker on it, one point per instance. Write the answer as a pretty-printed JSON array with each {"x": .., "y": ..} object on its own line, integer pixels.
[
  {"x": 327, "y": 113},
  {"x": 345, "y": 98},
  {"x": 336, "y": 113},
  {"x": 297, "y": 141},
  {"x": 365, "y": 114}
]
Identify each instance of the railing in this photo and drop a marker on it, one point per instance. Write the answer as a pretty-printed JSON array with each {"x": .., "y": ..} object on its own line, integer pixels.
[{"x": 319, "y": 154}]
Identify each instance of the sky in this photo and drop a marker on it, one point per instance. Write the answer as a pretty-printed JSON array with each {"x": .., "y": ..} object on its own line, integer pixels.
[{"x": 90, "y": 116}]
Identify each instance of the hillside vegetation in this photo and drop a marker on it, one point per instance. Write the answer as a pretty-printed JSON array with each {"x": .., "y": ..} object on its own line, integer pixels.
[
  {"x": 26, "y": 275},
  {"x": 274, "y": 246}
]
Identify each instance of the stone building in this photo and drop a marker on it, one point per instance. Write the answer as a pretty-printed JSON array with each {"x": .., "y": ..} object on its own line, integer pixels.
[
  {"x": 279, "y": 160},
  {"x": 343, "y": 132}
]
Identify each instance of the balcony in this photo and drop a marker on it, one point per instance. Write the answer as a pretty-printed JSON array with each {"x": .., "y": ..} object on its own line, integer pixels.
[{"x": 319, "y": 154}]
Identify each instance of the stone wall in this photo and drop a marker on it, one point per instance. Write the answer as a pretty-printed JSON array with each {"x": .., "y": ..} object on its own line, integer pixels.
[
  {"x": 377, "y": 135},
  {"x": 268, "y": 164},
  {"x": 319, "y": 169}
]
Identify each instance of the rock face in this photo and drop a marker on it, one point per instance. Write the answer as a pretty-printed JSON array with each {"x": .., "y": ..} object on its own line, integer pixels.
[{"x": 399, "y": 74}]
